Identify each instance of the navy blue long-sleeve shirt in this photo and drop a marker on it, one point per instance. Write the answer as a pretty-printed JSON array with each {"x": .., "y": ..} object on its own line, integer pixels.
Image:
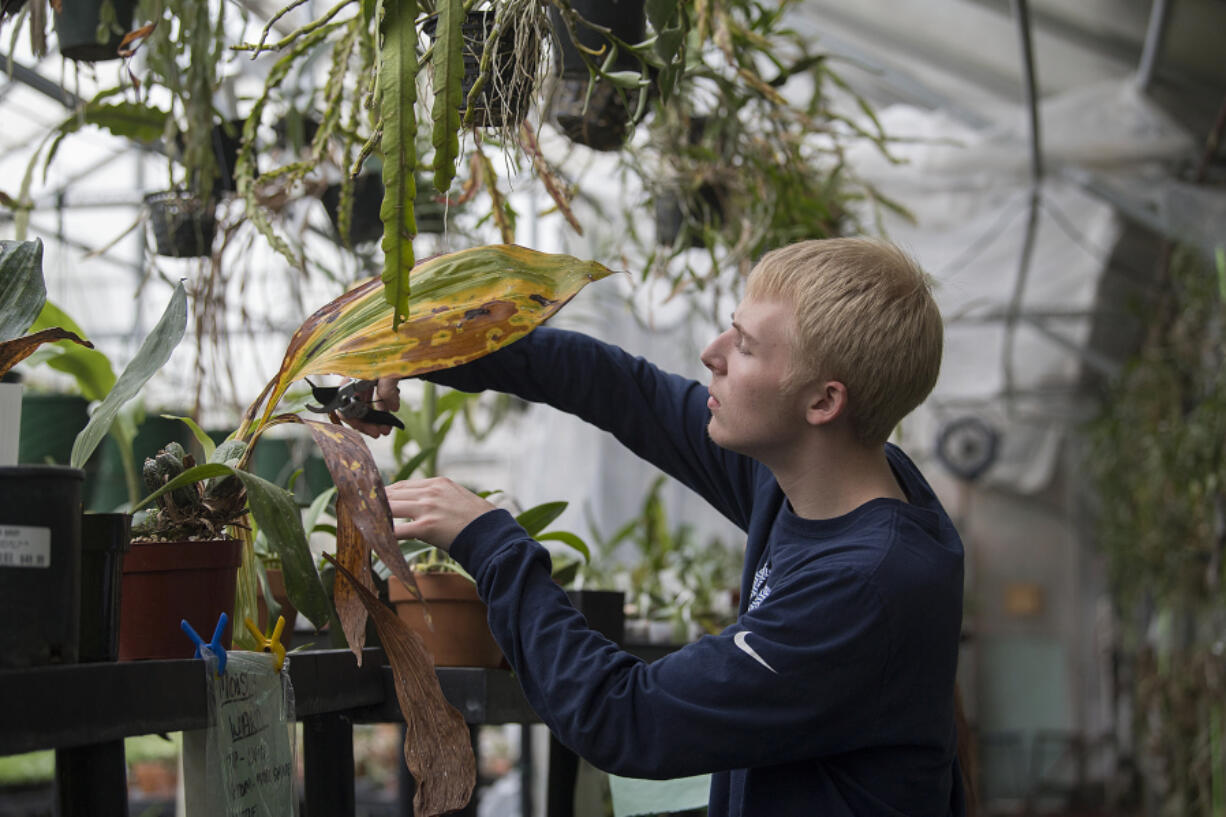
[{"x": 832, "y": 694}]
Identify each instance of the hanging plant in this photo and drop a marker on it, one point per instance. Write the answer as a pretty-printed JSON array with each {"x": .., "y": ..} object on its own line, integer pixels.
[
  {"x": 597, "y": 70},
  {"x": 1158, "y": 462}
]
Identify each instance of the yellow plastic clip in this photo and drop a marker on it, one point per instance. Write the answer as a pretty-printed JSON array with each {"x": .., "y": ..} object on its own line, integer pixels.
[{"x": 270, "y": 643}]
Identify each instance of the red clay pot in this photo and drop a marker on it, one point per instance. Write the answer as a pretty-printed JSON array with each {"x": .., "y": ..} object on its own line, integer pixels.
[
  {"x": 461, "y": 634},
  {"x": 166, "y": 582}
]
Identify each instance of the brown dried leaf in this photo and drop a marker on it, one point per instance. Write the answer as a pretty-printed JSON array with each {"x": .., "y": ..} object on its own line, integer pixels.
[
  {"x": 364, "y": 520},
  {"x": 547, "y": 175},
  {"x": 138, "y": 34},
  {"x": 16, "y": 350},
  {"x": 352, "y": 552},
  {"x": 437, "y": 749}
]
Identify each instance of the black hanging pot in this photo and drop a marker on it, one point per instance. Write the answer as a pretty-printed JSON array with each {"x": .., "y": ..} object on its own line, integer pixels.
[
  {"x": 364, "y": 222},
  {"x": 678, "y": 206},
  {"x": 675, "y": 208},
  {"x": 40, "y": 564},
  {"x": 227, "y": 138},
  {"x": 78, "y": 23},
  {"x": 507, "y": 94},
  {"x": 624, "y": 19},
  {"x": 600, "y": 121},
  {"x": 183, "y": 224}
]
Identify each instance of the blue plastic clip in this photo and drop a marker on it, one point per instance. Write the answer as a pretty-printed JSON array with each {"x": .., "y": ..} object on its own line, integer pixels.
[{"x": 214, "y": 645}]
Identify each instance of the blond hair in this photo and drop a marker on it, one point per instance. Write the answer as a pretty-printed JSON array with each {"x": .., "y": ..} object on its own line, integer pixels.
[{"x": 865, "y": 316}]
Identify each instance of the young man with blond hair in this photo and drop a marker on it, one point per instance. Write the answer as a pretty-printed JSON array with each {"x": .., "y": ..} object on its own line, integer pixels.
[{"x": 833, "y": 693}]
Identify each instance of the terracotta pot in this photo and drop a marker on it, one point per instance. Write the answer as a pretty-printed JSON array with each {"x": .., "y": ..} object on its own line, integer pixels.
[
  {"x": 166, "y": 582},
  {"x": 461, "y": 634},
  {"x": 276, "y": 584}
]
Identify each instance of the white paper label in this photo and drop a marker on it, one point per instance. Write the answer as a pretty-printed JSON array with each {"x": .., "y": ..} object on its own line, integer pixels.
[{"x": 25, "y": 547}]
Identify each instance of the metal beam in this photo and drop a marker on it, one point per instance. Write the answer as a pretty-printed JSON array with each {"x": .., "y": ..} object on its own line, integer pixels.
[
  {"x": 30, "y": 77},
  {"x": 1159, "y": 16}
]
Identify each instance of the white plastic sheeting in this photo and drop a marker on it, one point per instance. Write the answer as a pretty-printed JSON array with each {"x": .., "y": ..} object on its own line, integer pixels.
[{"x": 1016, "y": 338}]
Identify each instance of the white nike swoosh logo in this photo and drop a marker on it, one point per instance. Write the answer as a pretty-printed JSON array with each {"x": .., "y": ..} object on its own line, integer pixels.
[{"x": 739, "y": 640}]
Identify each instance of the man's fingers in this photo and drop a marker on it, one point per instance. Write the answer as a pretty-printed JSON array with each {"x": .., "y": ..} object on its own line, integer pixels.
[{"x": 387, "y": 389}]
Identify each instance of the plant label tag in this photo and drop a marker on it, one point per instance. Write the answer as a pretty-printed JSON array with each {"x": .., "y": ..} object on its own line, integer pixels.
[{"x": 25, "y": 547}]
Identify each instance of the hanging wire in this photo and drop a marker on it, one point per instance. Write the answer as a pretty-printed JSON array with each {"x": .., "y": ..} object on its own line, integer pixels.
[{"x": 1021, "y": 14}]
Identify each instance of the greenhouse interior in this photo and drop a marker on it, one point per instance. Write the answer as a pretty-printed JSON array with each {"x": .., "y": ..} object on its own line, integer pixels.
[{"x": 326, "y": 322}]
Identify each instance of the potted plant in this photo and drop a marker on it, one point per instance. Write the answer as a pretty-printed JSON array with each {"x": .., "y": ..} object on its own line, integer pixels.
[
  {"x": 92, "y": 30},
  {"x": 182, "y": 564},
  {"x": 40, "y": 505}
]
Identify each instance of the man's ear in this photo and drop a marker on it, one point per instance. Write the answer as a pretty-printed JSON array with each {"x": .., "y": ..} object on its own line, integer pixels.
[{"x": 827, "y": 402}]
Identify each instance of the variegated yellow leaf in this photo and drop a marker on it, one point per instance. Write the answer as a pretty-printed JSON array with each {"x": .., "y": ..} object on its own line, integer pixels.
[{"x": 463, "y": 305}]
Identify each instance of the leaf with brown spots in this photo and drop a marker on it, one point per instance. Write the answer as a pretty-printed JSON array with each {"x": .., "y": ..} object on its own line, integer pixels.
[
  {"x": 437, "y": 748},
  {"x": 364, "y": 519},
  {"x": 354, "y": 554},
  {"x": 16, "y": 350},
  {"x": 463, "y": 305}
]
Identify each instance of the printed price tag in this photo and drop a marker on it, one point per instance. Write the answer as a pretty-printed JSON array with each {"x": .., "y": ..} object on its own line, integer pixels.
[{"x": 25, "y": 547}]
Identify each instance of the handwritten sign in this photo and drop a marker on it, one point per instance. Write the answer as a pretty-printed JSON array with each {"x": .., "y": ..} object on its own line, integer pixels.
[{"x": 243, "y": 764}]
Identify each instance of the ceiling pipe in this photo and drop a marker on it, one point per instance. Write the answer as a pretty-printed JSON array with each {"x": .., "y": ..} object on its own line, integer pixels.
[
  {"x": 1021, "y": 14},
  {"x": 39, "y": 83},
  {"x": 1155, "y": 33}
]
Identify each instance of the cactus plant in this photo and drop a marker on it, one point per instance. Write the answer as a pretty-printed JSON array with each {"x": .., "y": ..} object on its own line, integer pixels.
[{"x": 198, "y": 510}]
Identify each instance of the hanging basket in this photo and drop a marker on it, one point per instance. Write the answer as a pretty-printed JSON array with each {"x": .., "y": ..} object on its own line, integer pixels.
[
  {"x": 364, "y": 222},
  {"x": 624, "y": 19},
  {"x": 703, "y": 207},
  {"x": 507, "y": 94},
  {"x": 183, "y": 225},
  {"x": 602, "y": 125},
  {"x": 77, "y": 26}
]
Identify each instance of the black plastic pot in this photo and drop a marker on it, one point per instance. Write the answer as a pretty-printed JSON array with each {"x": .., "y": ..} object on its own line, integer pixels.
[
  {"x": 602, "y": 125},
  {"x": 227, "y": 138},
  {"x": 625, "y": 19},
  {"x": 604, "y": 610},
  {"x": 105, "y": 538},
  {"x": 78, "y": 23},
  {"x": 40, "y": 564},
  {"x": 703, "y": 205},
  {"x": 507, "y": 94},
  {"x": 364, "y": 222},
  {"x": 183, "y": 224}
]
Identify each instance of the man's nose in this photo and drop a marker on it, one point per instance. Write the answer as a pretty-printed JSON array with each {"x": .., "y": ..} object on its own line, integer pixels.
[{"x": 713, "y": 357}]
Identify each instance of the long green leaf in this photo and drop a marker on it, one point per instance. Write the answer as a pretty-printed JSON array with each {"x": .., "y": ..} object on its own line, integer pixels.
[
  {"x": 278, "y": 516},
  {"x": 206, "y": 442},
  {"x": 153, "y": 353},
  {"x": 534, "y": 520},
  {"x": 398, "y": 83},
  {"x": 448, "y": 62},
  {"x": 90, "y": 368},
  {"x": 22, "y": 291},
  {"x": 568, "y": 538}
]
